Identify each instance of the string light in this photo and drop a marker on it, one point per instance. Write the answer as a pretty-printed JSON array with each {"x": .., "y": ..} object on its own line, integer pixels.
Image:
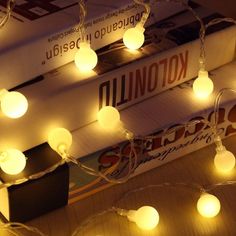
[
  {"x": 85, "y": 58},
  {"x": 224, "y": 160},
  {"x": 12, "y": 161},
  {"x": 108, "y": 117},
  {"x": 13, "y": 104},
  {"x": 203, "y": 85},
  {"x": 60, "y": 139},
  {"x": 146, "y": 217},
  {"x": 208, "y": 205},
  {"x": 11, "y": 227},
  {"x": 134, "y": 37}
]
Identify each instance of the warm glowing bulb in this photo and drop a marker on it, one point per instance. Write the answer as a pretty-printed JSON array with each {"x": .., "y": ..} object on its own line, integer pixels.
[
  {"x": 146, "y": 217},
  {"x": 134, "y": 37},
  {"x": 12, "y": 161},
  {"x": 60, "y": 140},
  {"x": 203, "y": 85},
  {"x": 108, "y": 117},
  {"x": 224, "y": 160},
  {"x": 85, "y": 58},
  {"x": 13, "y": 104},
  {"x": 208, "y": 205}
]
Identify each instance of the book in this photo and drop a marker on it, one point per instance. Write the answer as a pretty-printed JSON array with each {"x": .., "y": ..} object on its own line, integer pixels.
[
  {"x": 43, "y": 35},
  {"x": 65, "y": 98},
  {"x": 174, "y": 107}
]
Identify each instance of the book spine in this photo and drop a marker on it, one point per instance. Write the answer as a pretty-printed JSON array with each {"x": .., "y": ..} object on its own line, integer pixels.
[
  {"x": 152, "y": 153},
  {"x": 59, "y": 99},
  {"x": 147, "y": 77},
  {"x": 24, "y": 62}
]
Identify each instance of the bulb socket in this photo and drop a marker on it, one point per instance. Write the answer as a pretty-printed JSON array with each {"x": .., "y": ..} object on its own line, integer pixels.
[
  {"x": 202, "y": 73},
  {"x": 3, "y": 92},
  {"x": 219, "y": 146},
  {"x": 140, "y": 27},
  {"x": 62, "y": 150},
  {"x": 84, "y": 44}
]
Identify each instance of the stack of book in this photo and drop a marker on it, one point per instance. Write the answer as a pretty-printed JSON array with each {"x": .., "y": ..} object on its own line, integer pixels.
[{"x": 38, "y": 63}]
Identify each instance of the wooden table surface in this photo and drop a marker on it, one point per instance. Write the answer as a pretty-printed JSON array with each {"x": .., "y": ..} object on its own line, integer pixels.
[{"x": 176, "y": 205}]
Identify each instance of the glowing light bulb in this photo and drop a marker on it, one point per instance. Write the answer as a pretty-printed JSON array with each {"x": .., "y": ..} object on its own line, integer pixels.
[
  {"x": 224, "y": 160},
  {"x": 146, "y": 217},
  {"x": 203, "y": 85},
  {"x": 134, "y": 37},
  {"x": 13, "y": 104},
  {"x": 85, "y": 58},
  {"x": 12, "y": 161},
  {"x": 108, "y": 117},
  {"x": 60, "y": 140},
  {"x": 208, "y": 205}
]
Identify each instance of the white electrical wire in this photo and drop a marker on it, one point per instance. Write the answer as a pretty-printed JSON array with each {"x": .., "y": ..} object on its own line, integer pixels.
[
  {"x": 82, "y": 15},
  {"x": 9, "y": 8}
]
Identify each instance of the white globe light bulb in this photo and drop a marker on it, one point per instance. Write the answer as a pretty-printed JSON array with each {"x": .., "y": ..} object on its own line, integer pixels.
[
  {"x": 85, "y": 58},
  {"x": 134, "y": 37},
  {"x": 12, "y": 161},
  {"x": 224, "y": 160},
  {"x": 60, "y": 140},
  {"x": 208, "y": 205},
  {"x": 203, "y": 85},
  {"x": 146, "y": 217},
  {"x": 108, "y": 117},
  {"x": 13, "y": 104}
]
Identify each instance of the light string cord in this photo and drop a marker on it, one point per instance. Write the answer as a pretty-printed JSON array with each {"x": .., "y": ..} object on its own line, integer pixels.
[
  {"x": 201, "y": 31},
  {"x": 220, "y": 184},
  {"x": 132, "y": 163},
  {"x": 219, "y": 96},
  {"x": 147, "y": 11},
  {"x": 82, "y": 15},
  {"x": 217, "y": 107},
  {"x": 89, "y": 220},
  {"x": 9, "y": 8},
  {"x": 11, "y": 227},
  {"x": 33, "y": 176},
  {"x": 202, "y": 37}
]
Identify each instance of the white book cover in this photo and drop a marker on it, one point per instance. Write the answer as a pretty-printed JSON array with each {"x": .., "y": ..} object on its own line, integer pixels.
[
  {"x": 64, "y": 98},
  {"x": 43, "y": 35},
  {"x": 156, "y": 115}
]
